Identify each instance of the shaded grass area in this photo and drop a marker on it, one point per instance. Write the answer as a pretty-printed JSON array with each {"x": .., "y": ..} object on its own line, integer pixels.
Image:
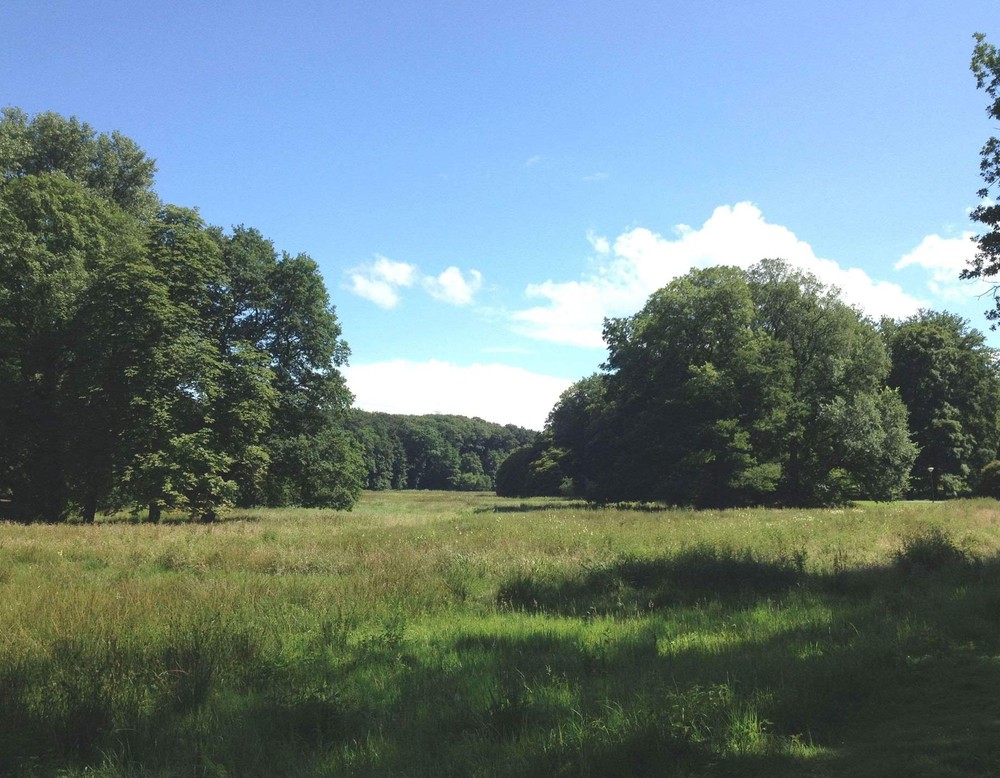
[{"x": 432, "y": 635}]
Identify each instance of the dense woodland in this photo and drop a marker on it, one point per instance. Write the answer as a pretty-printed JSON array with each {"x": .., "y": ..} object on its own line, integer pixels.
[{"x": 433, "y": 452}]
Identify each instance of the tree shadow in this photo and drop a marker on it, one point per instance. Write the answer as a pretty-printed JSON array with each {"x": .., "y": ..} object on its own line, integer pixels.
[
  {"x": 577, "y": 505},
  {"x": 236, "y": 515},
  {"x": 525, "y": 507},
  {"x": 697, "y": 575}
]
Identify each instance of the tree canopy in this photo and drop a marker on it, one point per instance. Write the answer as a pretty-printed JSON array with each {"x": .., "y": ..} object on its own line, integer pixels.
[
  {"x": 150, "y": 359},
  {"x": 731, "y": 387},
  {"x": 434, "y": 451},
  {"x": 947, "y": 377}
]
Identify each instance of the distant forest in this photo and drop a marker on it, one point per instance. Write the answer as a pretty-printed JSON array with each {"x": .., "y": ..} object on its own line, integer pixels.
[{"x": 434, "y": 451}]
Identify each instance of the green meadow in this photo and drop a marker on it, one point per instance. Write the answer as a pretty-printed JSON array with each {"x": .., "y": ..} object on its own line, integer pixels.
[{"x": 458, "y": 634}]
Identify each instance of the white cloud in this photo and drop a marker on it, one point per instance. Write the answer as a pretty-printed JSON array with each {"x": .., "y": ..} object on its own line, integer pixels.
[
  {"x": 598, "y": 176},
  {"x": 398, "y": 273},
  {"x": 453, "y": 287},
  {"x": 640, "y": 261},
  {"x": 500, "y": 393},
  {"x": 600, "y": 243},
  {"x": 574, "y": 315},
  {"x": 944, "y": 259},
  {"x": 380, "y": 281}
]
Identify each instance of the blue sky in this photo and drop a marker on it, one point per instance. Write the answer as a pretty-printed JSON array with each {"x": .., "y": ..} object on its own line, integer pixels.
[{"x": 482, "y": 182}]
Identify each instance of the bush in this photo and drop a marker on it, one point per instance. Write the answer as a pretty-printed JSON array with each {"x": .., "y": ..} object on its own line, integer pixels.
[
  {"x": 930, "y": 551},
  {"x": 989, "y": 480},
  {"x": 532, "y": 471},
  {"x": 471, "y": 482},
  {"x": 512, "y": 475}
]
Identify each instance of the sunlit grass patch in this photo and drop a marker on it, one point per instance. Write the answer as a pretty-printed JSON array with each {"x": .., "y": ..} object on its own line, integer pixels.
[{"x": 432, "y": 634}]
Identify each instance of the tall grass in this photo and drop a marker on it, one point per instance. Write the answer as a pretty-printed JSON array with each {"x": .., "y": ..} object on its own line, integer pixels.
[{"x": 457, "y": 634}]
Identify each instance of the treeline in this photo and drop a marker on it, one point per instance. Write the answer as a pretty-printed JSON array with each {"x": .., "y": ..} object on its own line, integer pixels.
[
  {"x": 762, "y": 387},
  {"x": 149, "y": 360},
  {"x": 433, "y": 451}
]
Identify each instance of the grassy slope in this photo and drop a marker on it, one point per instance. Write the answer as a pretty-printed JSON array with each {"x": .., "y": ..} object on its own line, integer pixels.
[{"x": 457, "y": 634}]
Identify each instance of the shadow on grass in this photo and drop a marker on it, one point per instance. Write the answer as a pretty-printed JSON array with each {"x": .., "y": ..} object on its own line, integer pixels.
[
  {"x": 174, "y": 519},
  {"x": 697, "y": 575},
  {"x": 889, "y": 671},
  {"x": 528, "y": 507},
  {"x": 702, "y": 685},
  {"x": 567, "y": 504}
]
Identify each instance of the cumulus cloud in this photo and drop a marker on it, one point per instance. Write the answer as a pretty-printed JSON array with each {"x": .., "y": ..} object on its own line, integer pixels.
[
  {"x": 380, "y": 282},
  {"x": 453, "y": 287},
  {"x": 944, "y": 259},
  {"x": 640, "y": 261},
  {"x": 495, "y": 392}
]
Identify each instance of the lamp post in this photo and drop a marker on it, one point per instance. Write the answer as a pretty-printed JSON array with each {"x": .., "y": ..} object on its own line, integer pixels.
[{"x": 930, "y": 472}]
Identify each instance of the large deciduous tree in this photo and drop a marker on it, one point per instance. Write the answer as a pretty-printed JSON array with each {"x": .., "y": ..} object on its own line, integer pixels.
[
  {"x": 948, "y": 378},
  {"x": 278, "y": 305},
  {"x": 79, "y": 307},
  {"x": 734, "y": 387},
  {"x": 210, "y": 399},
  {"x": 111, "y": 166},
  {"x": 146, "y": 357}
]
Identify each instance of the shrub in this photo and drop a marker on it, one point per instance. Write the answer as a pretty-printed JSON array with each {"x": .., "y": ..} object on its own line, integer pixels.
[
  {"x": 929, "y": 551},
  {"x": 989, "y": 480},
  {"x": 532, "y": 471}
]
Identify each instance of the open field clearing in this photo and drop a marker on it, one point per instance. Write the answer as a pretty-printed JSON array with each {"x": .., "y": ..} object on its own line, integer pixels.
[{"x": 431, "y": 633}]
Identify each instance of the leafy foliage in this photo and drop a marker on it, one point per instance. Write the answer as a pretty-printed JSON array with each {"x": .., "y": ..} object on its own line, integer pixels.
[
  {"x": 731, "y": 387},
  {"x": 433, "y": 451},
  {"x": 147, "y": 358},
  {"x": 111, "y": 166},
  {"x": 948, "y": 379},
  {"x": 985, "y": 67},
  {"x": 930, "y": 551},
  {"x": 989, "y": 480}
]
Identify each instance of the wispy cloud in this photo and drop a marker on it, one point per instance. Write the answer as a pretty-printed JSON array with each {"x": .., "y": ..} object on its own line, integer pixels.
[
  {"x": 640, "y": 261},
  {"x": 532, "y": 161},
  {"x": 599, "y": 176}
]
